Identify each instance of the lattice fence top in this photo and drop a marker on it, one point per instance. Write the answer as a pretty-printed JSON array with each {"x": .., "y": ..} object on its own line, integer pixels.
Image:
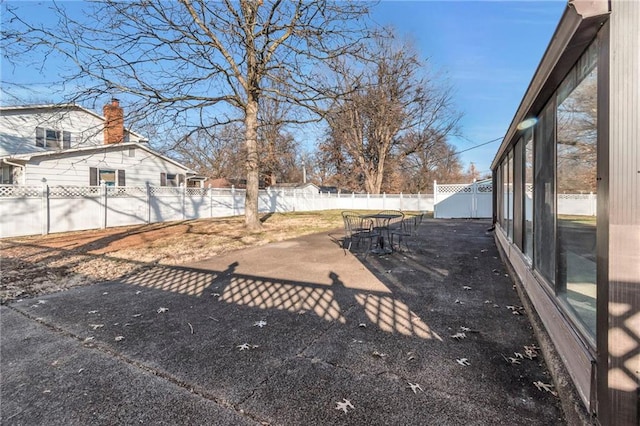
[
  {"x": 19, "y": 191},
  {"x": 576, "y": 196},
  {"x": 165, "y": 191},
  {"x": 454, "y": 188},
  {"x": 126, "y": 191},
  {"x": 484, "y": 188},
  {"x": 195, "y": 192},
  {"x": 73, "y": 191}
]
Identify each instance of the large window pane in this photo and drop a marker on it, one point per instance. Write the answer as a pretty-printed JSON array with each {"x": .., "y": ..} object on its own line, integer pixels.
[
  {"x": 505, "y": 195},
  {"x": 498, "y": 191},
  {"x": 527, "y": 192},
  {"x": 576, "y": 189},
  {"x": 510, "y": 195},
  {"x": 544, "y": 246}
]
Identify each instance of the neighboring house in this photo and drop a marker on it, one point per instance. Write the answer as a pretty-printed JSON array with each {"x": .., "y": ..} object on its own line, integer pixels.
[{"x": 70, "y": 145}]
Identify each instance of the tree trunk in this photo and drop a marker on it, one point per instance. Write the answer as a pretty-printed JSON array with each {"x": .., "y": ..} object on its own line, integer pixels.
[{"x": 251, "y": 218}]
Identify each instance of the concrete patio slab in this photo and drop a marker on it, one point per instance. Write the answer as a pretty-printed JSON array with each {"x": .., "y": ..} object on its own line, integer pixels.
[{"x": 280, "y": 334}]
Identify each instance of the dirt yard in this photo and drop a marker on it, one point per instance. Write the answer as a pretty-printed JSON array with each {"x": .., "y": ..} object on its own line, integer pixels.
[{"x": 44, "y": 264}]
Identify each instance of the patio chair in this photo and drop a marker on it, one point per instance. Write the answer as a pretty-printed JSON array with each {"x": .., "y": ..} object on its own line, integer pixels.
[
  {"x": 393, "y": 224},
  {"x": 405, "y": 231},
  {"x": 396, "y": 221},
  {"x": 356, "y": 229}
]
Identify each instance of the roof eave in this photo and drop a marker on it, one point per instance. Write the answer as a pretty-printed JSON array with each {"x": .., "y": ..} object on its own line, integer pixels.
[{"x": 578, "y": 26}]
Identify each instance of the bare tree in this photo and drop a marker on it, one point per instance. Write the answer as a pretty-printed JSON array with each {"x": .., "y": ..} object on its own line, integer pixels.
[
  {"x": 277, "y": 146},
  {"x": 436, "y": 159},
  {"x": 388, "y": 97},
  {"x": 577, "y": 138},
  {"x": 184, "y": 60},
  {"x": 212, "y": 153}
]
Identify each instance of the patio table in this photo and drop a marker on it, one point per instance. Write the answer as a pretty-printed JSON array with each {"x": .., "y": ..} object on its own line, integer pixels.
[{"x": 381, "y": 223}]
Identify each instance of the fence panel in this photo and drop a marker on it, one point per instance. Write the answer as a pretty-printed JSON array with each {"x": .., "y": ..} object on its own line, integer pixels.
[
  {"x": 75, "y": 208},
  {"x": 196, "y": 203},
  {"x": 35, "y": 210},
  {"x": 577, "y": 204},
  {"x": 126, "y": 206},
  {"x": 21, "y": 210},
  {"x": 473, "y": 200},
  {"x": 165, "y": 204},
  {"x": 453, "y": 201}
]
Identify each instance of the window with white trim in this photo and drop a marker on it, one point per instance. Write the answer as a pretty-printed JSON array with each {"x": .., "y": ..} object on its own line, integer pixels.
[
  {"x": 171, "y": 179},
  {"x": 50, "y": 138},
  {"x": 111, "y": 177}
]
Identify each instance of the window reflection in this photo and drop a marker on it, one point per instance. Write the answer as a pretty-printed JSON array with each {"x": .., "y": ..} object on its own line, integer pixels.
[
  {"x": 576, "y": 189},
  {"x": 510, "y": 195},
  {"x": 528, "y": 195},
  {"x": 505, "y": 194},
  {"x": 544, "y": 202}
]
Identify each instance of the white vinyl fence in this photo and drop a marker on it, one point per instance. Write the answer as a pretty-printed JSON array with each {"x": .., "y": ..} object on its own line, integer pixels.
[
  {"x": 31, "y": 210},
  {"x": 465, "y": 200}
]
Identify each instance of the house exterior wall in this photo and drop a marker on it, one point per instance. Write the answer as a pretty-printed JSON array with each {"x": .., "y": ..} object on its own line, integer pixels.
[
  {"x": 141, "y": 166},
  {"x": 18, "y": 128},
  {"x": 582, "y": 276},
  {"x": 622, "y": 319}
]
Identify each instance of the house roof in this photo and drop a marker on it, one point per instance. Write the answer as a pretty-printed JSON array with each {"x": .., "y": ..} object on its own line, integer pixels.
[
  {"x": 579, "y": 24},
  {"x": 68, "y": 106},
  {"x": 89, "y": 149}
]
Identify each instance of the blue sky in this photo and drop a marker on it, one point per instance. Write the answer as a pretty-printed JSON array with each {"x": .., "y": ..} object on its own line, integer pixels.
[{"x": 487, "y": 50}]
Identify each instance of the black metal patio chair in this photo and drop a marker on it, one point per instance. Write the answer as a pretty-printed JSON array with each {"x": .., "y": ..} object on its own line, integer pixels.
[{"x": 356, "y": 229}]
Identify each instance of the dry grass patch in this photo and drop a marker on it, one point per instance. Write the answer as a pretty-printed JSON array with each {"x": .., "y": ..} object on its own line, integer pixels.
[{"x": 45, "y": 264}]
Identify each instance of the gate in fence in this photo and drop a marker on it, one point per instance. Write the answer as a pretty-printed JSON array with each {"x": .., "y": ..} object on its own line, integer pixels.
[{"x": 465, "y": 200}]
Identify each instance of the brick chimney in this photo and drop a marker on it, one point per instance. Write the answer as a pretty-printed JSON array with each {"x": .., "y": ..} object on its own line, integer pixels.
[{"x": 113, "y": 123}]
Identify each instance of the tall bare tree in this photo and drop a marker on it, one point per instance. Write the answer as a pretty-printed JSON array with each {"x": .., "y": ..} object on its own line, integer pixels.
[
  {"x": 435, "y": 160},
  {"x": 277, "y": 146},
  {"x": 183, "y": 59},
  {"x": 388, "y": 97},
  {"x": 213, "y": 153}
]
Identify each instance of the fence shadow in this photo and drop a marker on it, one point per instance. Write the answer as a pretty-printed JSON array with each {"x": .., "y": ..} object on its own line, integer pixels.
[{"x": 327, "y": 302}]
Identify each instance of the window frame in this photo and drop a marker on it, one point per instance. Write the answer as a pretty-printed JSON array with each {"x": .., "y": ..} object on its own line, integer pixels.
[{"x": 47, "y": 137}]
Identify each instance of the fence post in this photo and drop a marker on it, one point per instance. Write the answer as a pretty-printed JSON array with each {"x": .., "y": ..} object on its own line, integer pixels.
[
  {"x": 295, "y": 200},
  {"x": 103, "y": 195},
  {"x": 210, "y": 192},
  {"x": 45, "y": 207},
  {"x": 148, "y": 186},
  {"x": 183, "y": 189},
  {"x": 353, "y": 200},
  {"x": 233, "y": 200},
  {"x": 593, "y": 204},
  {"x": 474, "y": 199},
  {"x": 367, "y": 200},
  {"x": 435, "y": 199},
  {"x": 401, "y": 201},
  {"x": 419, "y": 202},
  {"x": 384, "y": 201}
]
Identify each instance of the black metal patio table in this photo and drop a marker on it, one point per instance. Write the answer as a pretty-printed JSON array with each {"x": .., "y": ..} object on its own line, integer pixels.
[{"x": 381, "y": 223}]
